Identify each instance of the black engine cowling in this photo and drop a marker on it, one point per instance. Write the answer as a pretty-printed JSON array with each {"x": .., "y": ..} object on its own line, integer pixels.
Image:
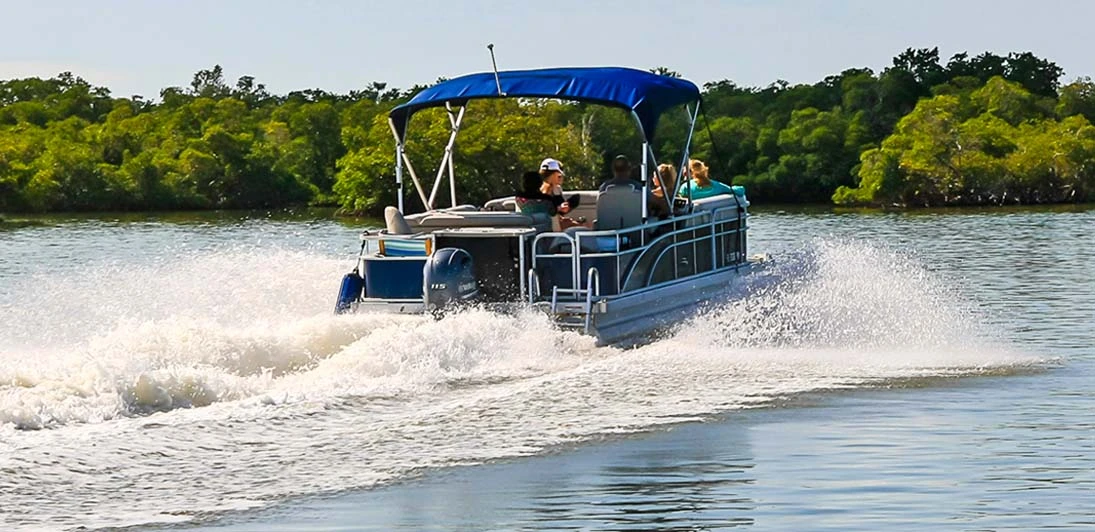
[{"x": 449, "y": 278}]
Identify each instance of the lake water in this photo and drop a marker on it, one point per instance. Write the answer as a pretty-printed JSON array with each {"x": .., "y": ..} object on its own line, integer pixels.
[{"x": 912, "y": 371}]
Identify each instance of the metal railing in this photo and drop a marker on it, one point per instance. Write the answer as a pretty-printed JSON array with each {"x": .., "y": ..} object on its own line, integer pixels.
[
  {"x": 593, "y": 280},
  {"x": 629, "y": 247},
  {"x": 660, "y": 252}
]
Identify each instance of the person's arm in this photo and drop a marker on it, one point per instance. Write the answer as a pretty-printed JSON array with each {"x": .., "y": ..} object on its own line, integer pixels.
[
  {"x": 560, "y": 203},
  {"x": 657, "y": 191}
]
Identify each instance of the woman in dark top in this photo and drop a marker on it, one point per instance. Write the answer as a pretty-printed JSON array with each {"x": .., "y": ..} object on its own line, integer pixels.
[
  {"x": 543, "y": 192},
  {"x": 531, "y": 197}
]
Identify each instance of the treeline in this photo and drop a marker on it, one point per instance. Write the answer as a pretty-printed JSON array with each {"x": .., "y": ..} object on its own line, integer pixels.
[
  {"x": 973, "y": 130},
  {"x": 66, "y": 145},
  {"x": 981, "y": 130}
]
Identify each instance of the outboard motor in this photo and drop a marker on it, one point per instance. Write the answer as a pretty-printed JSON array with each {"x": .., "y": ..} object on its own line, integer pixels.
[
  {"x": 350, "y": 292},
  {"x": 449, "y": 278}
]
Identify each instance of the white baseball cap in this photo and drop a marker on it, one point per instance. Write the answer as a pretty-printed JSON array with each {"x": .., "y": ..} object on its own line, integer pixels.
[{"x": 553, "y": 165}]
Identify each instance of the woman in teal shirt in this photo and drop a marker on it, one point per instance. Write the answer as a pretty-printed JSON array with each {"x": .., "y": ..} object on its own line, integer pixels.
[{"x": 701, "y": 186}]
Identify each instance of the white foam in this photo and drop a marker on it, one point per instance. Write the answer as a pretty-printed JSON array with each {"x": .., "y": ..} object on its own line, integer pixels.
[
  {"x": 195, "y": 399},
  {"x": 211, "y": 333}
]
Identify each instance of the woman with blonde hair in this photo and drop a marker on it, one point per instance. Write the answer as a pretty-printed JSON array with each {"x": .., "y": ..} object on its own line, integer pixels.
[
  {"x": 701, "y": 185},
  {"x": 660, "y": 204}
]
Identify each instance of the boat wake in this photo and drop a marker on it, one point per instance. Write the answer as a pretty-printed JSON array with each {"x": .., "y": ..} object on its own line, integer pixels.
[
  {"x": 853, "y": 302},
  {"x": 258, "y": 394},
  {"x": 851, "y": 296}
]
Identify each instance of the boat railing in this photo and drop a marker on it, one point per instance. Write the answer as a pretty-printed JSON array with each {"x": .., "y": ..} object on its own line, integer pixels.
[
  {"x": 533, "y": 286},
  {"x": 593, "y": 289},
  {"x": 713, "y": 232},
  {"x": 658, "y": 253},
  {"x": 610, "y": 244}
]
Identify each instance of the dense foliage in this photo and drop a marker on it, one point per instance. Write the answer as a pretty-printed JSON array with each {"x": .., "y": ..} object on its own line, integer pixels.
[{"x": 973, "y": 130}]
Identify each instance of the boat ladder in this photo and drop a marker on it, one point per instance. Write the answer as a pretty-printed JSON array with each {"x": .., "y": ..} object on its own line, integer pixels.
[{"x": 577, "y": 312}]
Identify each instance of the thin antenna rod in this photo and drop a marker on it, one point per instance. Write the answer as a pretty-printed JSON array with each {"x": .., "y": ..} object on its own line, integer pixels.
[{"x": 495, "y": 65}]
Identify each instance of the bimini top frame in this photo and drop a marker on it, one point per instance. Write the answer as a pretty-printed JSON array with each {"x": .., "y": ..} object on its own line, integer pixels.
[{"x": 646, "y": 95}]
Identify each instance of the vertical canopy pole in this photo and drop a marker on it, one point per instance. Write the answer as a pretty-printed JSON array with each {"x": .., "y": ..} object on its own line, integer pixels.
[
  {"x": 646, "y": 187},
  {"x": 644, "y": 166},
  {"x": 398, "y": 167},
  {"x": 687, "y": 146},
  {"x": 399, "y": 175},
  {"x": 668, "y": 198},
  {"x": 401, "y": 155}
]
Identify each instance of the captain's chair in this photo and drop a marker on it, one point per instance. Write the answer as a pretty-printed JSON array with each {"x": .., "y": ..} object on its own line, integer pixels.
[
  {"x": 395, "y": 222},
  {"x": 619, "y": 206}
]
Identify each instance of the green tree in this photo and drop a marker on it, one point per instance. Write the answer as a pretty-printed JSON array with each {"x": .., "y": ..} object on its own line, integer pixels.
[
  {"x": 994, "y": 145},
  {"x": 1077, "y": 98},
  {"x": 210, "y": 83}
]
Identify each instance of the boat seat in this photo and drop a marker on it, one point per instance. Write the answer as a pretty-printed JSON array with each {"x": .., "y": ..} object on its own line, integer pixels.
[
  {"x": 506, "y": 204},
  {"x": 618, "y": 206},
  {"x": 398, "y": 247},
  {"x": 587, "y": 204},
  {"x": 461, "y": 208},
  {"x": 721, "y": 202},
  {"x": 433, "y": 220},
  {"x": 715, "y": 202},
  {"x": 598, "y": 244},
  {"x": 395, "y": 223}
]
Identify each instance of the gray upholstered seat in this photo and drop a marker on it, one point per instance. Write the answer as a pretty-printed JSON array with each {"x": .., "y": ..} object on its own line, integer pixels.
[{"x": 619, "y": 206}]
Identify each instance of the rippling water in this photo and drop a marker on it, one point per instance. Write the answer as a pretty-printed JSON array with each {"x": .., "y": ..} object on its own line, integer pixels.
[{"x": 925, "y": 370}]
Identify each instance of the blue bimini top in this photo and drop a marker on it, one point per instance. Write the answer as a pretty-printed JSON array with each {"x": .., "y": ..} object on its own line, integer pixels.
[{"x": 648, "y": 95}]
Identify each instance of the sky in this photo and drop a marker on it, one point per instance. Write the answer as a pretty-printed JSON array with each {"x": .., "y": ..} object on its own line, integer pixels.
[{"x": 142, "y": 46}]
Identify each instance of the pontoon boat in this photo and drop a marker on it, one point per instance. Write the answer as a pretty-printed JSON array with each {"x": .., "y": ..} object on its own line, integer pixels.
[{"x": 628, "y": 275}]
